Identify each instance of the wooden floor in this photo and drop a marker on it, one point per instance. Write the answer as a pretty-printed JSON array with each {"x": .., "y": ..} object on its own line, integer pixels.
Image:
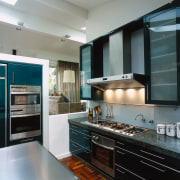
[{"x": 81, "y": 170}]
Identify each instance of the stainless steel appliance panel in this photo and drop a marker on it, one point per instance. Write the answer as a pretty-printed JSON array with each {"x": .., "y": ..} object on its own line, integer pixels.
[{"x": 25, "y": 111}]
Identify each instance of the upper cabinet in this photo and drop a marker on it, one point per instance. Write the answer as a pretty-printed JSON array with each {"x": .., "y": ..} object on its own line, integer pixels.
[
  {"x": 86, "y": 71},
  {"x": 24, "y": 74},
  {"x": 91, "y": 66},
  {"x": 162, "y": 54}
]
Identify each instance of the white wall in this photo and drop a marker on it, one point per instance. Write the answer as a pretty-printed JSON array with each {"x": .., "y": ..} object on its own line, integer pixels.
[
  {"x": 35, "y": 44},
  {"x": 116, "y": 13},
  {"x": 45, "y": 64}
]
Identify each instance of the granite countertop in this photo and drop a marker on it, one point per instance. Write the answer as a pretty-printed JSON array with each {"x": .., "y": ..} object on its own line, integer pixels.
[{"x": 166, "y": 145}]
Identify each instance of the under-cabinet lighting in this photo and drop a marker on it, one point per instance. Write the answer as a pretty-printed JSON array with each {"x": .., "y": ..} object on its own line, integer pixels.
[
  {"x": 118, "y": 92},
  {"x": 131, "y": 92},
  {"x": 109, "y": 92},
  {"x": 142, "y": 92},
  {"x": 11, "y": 2},
  {"x": 83, "y": 28}
]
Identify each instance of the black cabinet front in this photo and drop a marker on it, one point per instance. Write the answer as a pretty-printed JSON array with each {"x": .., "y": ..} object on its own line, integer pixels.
[
  {"x": 162, "y": 43},
  {"x": 90, "y": 67}
]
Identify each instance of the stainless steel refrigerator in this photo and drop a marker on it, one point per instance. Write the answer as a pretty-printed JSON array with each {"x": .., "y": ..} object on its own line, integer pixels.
[{"x": 3, "y": 105}]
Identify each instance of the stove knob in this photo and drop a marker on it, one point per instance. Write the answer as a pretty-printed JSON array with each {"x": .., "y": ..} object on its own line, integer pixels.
[{"x": 96, "y": 138}]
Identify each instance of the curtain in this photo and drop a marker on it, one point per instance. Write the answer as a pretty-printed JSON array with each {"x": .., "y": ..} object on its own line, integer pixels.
[{"x": 66, "y": 88}]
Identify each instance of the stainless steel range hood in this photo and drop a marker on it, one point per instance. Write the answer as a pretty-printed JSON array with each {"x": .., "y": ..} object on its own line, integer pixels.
[{"x": 130, "y": 80}]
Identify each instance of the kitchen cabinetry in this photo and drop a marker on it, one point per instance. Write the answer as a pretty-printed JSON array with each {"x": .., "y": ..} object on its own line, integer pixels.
[
  {"x": 24, "y": 74},
  {"x": 80, "y": 142},
  {"x": 162, "y": 43},
  {"x": 138, "y": 162},
  {"x": 90, "y": 68}
]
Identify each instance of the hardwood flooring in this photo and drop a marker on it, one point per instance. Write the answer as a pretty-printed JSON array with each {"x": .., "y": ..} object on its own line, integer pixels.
[{"x": 81, "y": 170}]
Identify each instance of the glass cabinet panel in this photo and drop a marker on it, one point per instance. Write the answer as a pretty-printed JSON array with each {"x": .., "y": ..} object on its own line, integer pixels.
[
  {"x": 85, "y": 72},
  {"x": 163, "y": 56}
]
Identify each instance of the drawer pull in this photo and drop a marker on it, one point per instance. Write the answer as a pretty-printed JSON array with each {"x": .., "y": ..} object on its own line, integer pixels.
[
  {"x": 86, "y": 131},
  {"x": 75, "y": 127},
  {"x": 74, "y": 145},
  {"x": 119, "y": 152},
  {"x": 120, "y": 143},
  {"x": 86, "y": 138},
  {"x": 74, "y": 133},
  {"x": 161, "y": 170},
  {"x": 152, "y": 154},
  {"x": 122, "y": 172}
]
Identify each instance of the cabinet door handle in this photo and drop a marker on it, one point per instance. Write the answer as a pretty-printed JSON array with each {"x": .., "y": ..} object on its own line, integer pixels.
[
  {"x": 152, "y": 154},
  {"x": 12, "y": 77},
  {"x": 119, "y": 152},
  {"x": 122, "y": 172},
  {"x": 120, "y": 143},
  {"x": 161, "y": 170}
]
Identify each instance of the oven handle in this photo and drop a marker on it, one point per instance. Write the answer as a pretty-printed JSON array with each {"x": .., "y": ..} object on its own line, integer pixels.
[
  {"x": 25, "y": 115},
  {"x": 103, "y": 146}
]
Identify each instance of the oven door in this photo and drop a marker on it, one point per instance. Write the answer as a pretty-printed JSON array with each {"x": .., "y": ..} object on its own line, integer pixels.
[
  {"x": 23, "y": 126},
  {"x": 25, "y": 98},
  {"x": 103, "y": 156}
]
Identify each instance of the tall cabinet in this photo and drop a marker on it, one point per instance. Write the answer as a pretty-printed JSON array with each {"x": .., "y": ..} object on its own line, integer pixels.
[{"x": 162, "y": 43}]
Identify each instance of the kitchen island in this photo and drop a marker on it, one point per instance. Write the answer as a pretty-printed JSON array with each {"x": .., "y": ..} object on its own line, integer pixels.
[{"x": 31, "y": 161}]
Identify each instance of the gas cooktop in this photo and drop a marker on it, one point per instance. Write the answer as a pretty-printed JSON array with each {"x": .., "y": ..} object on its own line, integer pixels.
[{"x": 117, "y": 127}]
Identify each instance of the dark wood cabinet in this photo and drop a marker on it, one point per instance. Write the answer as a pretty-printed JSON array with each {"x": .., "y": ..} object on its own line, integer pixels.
[
  {"x": 162, "y": 44},
  {"x": 80, "y": 142}
]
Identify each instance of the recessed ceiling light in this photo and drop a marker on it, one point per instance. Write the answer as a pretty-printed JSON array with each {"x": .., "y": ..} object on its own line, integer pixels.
[
  {"x": 11, "y": 2},
  {"x": 67, "y": 36},
  {"x": 83, "y": 28}
]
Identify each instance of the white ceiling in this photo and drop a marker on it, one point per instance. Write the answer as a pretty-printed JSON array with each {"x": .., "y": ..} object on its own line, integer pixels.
[
  {"x": 87, "y": 4},
  {"x": 53, "y": 18},
  {"x": 63, "y": 15}
]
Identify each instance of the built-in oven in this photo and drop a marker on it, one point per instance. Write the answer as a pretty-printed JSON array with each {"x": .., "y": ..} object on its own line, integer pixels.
[
  {"x": 103, "y": 153},
  {"x": 25, "y": 111}
]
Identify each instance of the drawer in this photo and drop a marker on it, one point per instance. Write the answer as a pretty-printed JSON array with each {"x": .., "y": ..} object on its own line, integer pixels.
[
  {"x": 76, "y": 128},
  {"x": 75, "y": 148},
  {"x": 142, "y": 151},
  {"x": 125, "y": 174}
]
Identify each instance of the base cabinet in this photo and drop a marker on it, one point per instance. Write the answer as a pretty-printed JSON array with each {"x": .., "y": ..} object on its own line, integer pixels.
[
  {"x": 144, "y": 163},
  {"x": 80, "y": 142},
  {"x": 131, "y": 161}
]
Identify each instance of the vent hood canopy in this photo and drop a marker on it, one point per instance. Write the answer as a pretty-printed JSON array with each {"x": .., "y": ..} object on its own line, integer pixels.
[{"x": 127, "y": 81}]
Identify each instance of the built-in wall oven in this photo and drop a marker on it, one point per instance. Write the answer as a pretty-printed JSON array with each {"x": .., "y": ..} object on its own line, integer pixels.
[
  {"x": 103, "y": 153},
  {"x": 25, "y": 111}
]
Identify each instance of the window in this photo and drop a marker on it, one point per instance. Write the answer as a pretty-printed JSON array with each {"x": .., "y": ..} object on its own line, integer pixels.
[{"x": 52, "y": 80}]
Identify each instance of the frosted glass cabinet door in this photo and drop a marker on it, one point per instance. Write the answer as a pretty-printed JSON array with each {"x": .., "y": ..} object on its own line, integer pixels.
[
  {"x": 85, "y": 67},
  {"x": 162, "y": 62}
]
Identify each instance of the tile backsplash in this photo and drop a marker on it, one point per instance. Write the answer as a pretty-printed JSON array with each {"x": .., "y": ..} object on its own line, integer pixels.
[{"x": 126, "y": 113}]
